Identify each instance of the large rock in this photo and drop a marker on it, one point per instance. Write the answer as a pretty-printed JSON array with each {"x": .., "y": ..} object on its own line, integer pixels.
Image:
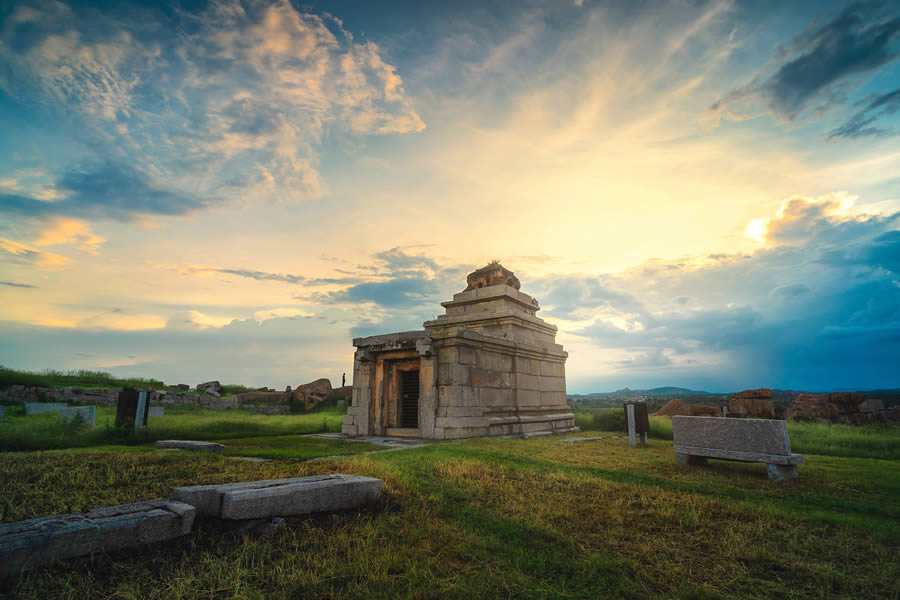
[
  {"x": 35, "y": 542},
  {"x": 753, "y": 406},
  {"x": 751, "y": 394},
  {"x": 281, "y": 497},
  {"x": 312, "y": 394},
  {"x": 676, "y": 406},
  {"x": 837, "y": 407},
  {"x": 210, "y": 387}
]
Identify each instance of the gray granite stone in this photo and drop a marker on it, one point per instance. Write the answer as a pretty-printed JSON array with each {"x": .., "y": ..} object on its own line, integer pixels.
[
  {"x": 765, "y": 436},
  {"x": 88, "y": 414},
  {"x": 281, "y": 497},
  {"x": 157, "y": 411},
  {"x": 33, "y": 408},
  {"x": 782, "y": 472},
  {"x": 191, "y": 445},
  {"x": 35, "y": 542}
]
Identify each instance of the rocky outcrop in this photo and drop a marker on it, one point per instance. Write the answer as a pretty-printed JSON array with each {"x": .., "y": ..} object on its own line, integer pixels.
[
  {"x": 210, "y": 387},
  {"x": 263, "y": 398},
  {"x": 752, "y": 403},
  {"x": 677, "y": 407},
  {"x": 311, "y": 395}
]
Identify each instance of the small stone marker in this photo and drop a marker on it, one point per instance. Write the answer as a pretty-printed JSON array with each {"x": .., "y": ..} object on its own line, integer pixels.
[
  {"x": 157, "y": 411},
  {"x": 88, "y": 414},
  {"x": 132, "y": 408},
  {"x": 281, "y": 497},
  {"x": 638, "y": 422},
  {"x": 34, "y": 542},
  {"x": 191, "y": 445},
  {"x": 33, "y": 408}
]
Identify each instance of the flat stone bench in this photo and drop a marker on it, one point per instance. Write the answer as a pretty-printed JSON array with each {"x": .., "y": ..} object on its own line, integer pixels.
[
  {"x": 191, "y": 445},
  {"x": 27, "y": 544},
  {"x": 749, "y": 440},
  {"x": 281, "y": 497}
]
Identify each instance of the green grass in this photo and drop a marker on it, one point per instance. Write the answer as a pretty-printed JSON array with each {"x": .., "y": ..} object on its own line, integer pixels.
[
  {"x": 293, "y": 446},
  {"x": 489, "y": 518},
  {"x": 44, "y": 431}
]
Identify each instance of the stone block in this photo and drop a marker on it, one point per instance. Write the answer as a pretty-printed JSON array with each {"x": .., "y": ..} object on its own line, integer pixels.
[
  {"x": 764, "y": 436},
  {"x": 528, "y": 382},
  {"x": 448, "y": 355},
  {"x": 782, "y": 472},
  {"x": 528, "y": 398},
  {"x": 33, "y": 408},
  {"x": 35, "y": 542},
  {"x": 157, "y": 411},
  {"x": 468, "y": 356},
  {"x": 88, "y": 414},
  {"x": 553, "y": 384},
  {"x": 494, "y": 397},
  {"x": 553, "y": 369},
  {"x": 484, "y": 378},
  {"x": 281, "y": 497},
  {"x": 462, "y": 411},
  {"x": 191, "y": 445},
  {"x": 454, "y": 374},
  {"x": 554, "y": 399},
  {"x": 494, "y": 361}
]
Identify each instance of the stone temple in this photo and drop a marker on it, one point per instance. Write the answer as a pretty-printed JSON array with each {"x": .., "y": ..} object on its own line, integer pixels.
[{"x": 488, "y": 367}]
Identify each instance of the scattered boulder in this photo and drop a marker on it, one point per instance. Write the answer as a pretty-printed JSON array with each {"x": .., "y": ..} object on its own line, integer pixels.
[
  {"x": 311, "y": 395},
  {"x": 837, "y": 407},
  {"x": 182, "y": 386},
  {"x": 755, "y": 403},
  {"x": 213, "y": 388},
  {"x": 263, "y": 397}
]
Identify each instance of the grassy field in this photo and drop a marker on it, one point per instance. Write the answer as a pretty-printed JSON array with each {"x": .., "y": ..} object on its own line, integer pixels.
[
  {"x": 871, "y": 441},
  {"x": 44, "y": 431},
  {"x": 489, "y": 518}
]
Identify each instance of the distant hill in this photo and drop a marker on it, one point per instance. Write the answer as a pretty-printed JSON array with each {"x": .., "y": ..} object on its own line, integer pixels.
[{"x": 660, "y": 391}]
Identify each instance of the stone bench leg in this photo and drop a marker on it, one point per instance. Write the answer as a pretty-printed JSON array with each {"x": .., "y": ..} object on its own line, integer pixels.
[
  {"x": 687, "y": 459},
  {"x": 781, "y": 472}
]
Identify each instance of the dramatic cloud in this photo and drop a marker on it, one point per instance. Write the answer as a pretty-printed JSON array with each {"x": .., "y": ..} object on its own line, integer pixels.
[
  {"x": 229, "y": 103},
  {"x": 819, "y": 306},
  {"x": 821, "y": 65}
]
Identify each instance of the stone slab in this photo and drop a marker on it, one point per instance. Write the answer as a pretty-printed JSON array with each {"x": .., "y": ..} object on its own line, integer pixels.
[
  {"x": 763, "y": 436},
  {"x": 157, "y": 411},
  {"x": 33, "y": 408},
  {"x": 27, "y": 544},
  {"x": 281, "y": 497},
  {"x": 191, "y": 445},
  {"x": 771, "y": 459},
  {"x": 88, "y": 414}
]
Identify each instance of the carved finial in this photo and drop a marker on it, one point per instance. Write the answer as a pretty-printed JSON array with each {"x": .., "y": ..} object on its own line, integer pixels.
[{"x": 492, "y": 274}]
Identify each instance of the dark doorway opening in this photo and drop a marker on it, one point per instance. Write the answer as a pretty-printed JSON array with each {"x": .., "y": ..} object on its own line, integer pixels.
[{"x": 409, "y": 399}]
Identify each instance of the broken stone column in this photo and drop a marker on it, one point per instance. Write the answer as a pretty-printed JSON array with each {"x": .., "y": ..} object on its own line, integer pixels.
[
  {"x": 281, "y": 497},
  {"x": 34, "y": 542}
]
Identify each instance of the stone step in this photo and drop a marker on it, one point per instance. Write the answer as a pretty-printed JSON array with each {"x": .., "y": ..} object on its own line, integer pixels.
[
  {"x": 281, "y": 497},
  {"x": 191, "y": 445},
  {"x": 27, "y": 544}
]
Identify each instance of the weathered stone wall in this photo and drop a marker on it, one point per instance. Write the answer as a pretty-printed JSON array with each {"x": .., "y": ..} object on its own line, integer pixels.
[{"x": 109, "y": 397}]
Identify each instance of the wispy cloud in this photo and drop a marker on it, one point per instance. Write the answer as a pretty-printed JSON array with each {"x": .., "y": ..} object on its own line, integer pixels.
[
  {"x": 862, "y": 123},
  {"x": 18, "y": 285},
  {"x": 70, "y": 231},
  {"x": 47, "y": 261}
]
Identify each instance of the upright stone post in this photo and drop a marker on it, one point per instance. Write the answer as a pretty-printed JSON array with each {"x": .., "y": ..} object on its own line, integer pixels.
[
  {"x": 142, "y": 407},
  {"x": 632, "y": 434},
  {"x": 724, "y": 410}
]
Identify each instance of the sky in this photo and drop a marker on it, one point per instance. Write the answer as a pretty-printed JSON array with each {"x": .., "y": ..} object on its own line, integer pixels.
[{"x": 699, "y": 193}]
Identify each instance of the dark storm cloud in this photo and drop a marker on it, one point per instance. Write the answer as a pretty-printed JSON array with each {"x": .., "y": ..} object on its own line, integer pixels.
[{"x": 822, "y": 64}]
